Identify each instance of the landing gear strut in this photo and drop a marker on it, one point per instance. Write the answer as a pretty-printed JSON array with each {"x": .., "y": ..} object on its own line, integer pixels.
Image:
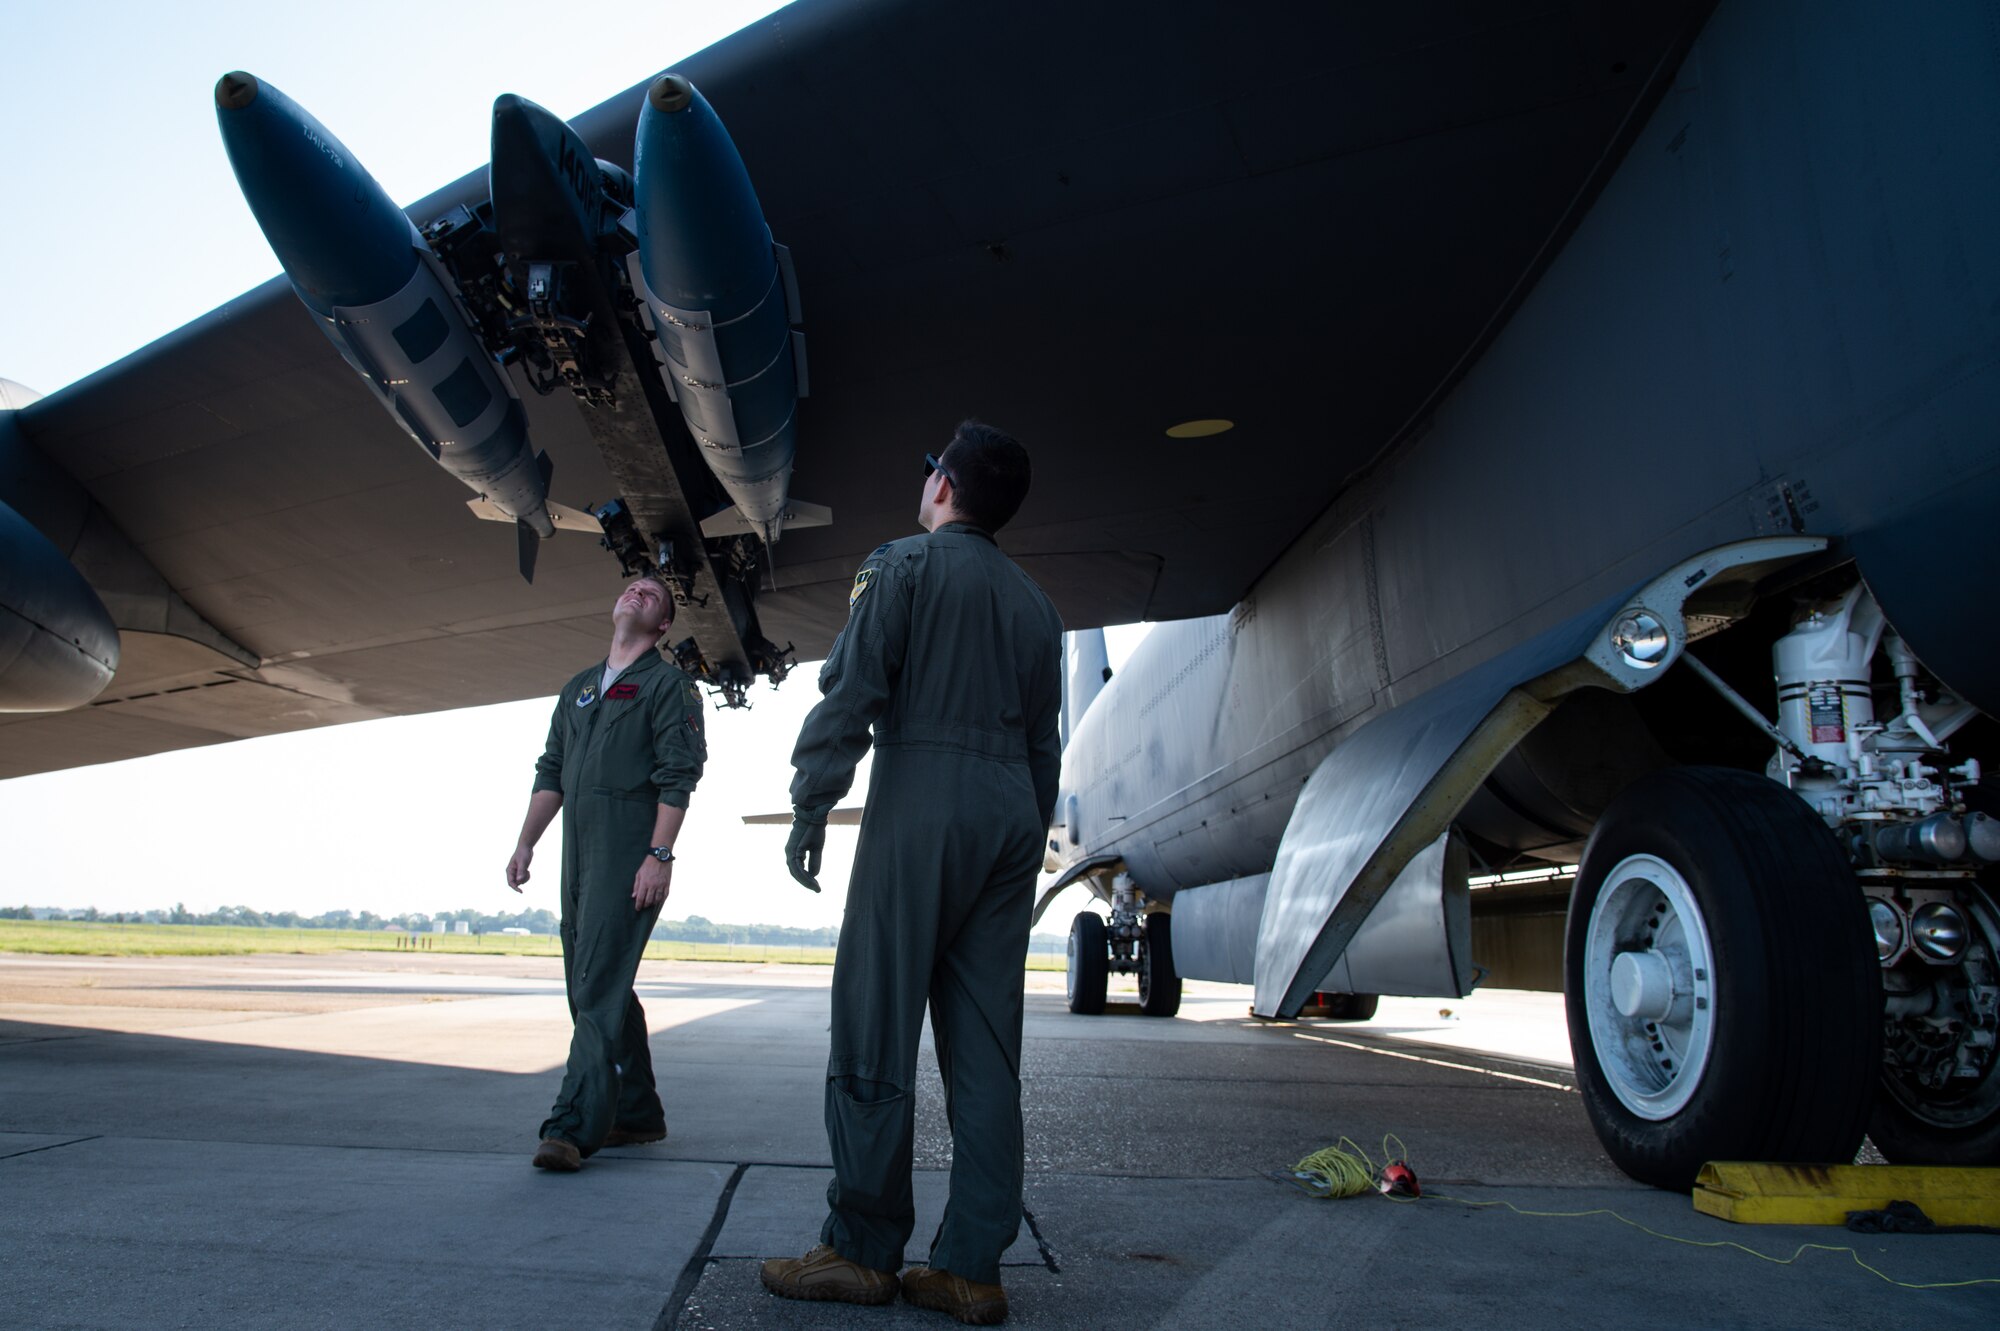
[{"x": 1135, "y": 941}]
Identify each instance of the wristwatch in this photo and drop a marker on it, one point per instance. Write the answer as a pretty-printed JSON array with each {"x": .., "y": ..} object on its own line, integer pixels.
[{"x": 664, "y": 854}]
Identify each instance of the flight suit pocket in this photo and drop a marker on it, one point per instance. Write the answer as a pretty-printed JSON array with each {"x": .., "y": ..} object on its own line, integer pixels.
[
  {"x": 616, "y": 827},
  {"x": 866, "y": 1136},
  {"x": 622, "y": 757}
]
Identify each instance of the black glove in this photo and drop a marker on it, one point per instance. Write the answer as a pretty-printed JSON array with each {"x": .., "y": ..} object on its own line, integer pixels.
[{"x": 802, "y": 852}]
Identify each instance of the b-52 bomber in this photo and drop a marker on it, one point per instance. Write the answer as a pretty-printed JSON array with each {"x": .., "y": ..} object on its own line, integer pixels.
[
  {"x": 1656, "y": 666},
  {"x": 1556, "y": 444}
]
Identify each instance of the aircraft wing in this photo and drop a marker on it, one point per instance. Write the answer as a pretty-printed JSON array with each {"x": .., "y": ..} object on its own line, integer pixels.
[{"x": 1090, "y": 225}]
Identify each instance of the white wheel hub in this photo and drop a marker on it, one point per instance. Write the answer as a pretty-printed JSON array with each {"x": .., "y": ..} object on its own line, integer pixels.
[
  {"x": 1649, "y": 987},
  {"x": 1642, "y": 985}
]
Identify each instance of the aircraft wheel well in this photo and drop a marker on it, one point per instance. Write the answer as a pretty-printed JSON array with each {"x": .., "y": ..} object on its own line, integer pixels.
[{"x": 1543, "y": 799}]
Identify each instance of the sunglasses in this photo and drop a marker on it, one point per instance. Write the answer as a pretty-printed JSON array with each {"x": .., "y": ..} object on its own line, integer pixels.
[{"x": 931, "y": 464}]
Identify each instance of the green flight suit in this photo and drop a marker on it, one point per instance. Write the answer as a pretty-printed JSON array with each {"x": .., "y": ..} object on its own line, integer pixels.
[
  {"x": 953, "y": 656},
  {"x": 615, "y": 754}
]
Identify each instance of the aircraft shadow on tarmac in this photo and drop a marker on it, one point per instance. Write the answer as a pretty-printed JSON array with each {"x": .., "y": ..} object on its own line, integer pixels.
[{"x": 237, "y": 1183}]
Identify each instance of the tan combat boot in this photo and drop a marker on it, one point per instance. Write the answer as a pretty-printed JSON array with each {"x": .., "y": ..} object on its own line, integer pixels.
[
  {"x": 557, "y": 1154},
  {"x": 967, "y": 1300},
  {"x": 825, "y": 1274}
]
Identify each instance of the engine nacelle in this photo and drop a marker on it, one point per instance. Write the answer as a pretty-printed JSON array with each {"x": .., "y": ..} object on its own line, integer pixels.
[{"x": 58, "y": 646}]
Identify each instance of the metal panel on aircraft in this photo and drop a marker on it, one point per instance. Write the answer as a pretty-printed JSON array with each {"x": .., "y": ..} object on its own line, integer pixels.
[
  {"x": 1417, "y": 941},
  {"x": 1342, "y": 849}
]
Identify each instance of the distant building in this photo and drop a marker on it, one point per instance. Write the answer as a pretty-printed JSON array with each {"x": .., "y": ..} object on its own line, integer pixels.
[
  {"x": 439, "y": 926},
  {"x": 518, "y": 933},
  {"x": 461, "y": 926}
]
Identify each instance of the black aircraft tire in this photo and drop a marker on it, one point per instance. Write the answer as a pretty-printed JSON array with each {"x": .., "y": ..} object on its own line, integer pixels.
[
  {"x": 1756, "y": 1032},
  {"x": 1905, "y": 1139},
  {"x": 1353, "y": 1007},
  {"x": 1962, "y": 1129},
  {"x": 1159, "y": 982},
  {"x": 1089, "y": 964}
]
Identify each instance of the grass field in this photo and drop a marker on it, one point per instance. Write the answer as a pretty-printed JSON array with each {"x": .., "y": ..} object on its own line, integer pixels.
[{"x": 84, "y": 938}]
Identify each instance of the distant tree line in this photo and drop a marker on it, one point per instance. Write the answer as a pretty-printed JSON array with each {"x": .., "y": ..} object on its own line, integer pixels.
[
  {"x": 246, "y": 917},
  {"x": 694, "y": 929}
]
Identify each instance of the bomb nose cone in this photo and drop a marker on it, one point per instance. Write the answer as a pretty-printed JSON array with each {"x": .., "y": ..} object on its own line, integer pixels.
[
  {"x": 511, "y": 121},
  {"x": 235, "y": 90},
  {"x": 671, "y": 93}
]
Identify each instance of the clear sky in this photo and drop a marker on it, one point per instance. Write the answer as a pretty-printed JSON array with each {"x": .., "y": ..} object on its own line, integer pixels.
[{"x": 121, "y": 222}]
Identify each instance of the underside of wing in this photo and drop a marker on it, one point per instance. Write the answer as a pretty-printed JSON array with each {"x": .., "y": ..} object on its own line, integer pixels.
[{"x": 1208, "y": 267}]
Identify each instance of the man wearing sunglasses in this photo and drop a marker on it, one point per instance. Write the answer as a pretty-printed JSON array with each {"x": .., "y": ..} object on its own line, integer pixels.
[{"x": 953, "y": 656}]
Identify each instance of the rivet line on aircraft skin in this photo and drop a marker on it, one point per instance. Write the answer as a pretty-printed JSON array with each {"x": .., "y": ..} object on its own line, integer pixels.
[{"x": 1437, "y": 1062}]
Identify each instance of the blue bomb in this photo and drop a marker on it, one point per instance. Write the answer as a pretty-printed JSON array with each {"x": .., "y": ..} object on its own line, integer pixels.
[
  {"x": 380, "y": 296},
  {"x": 721, "y": 300}
]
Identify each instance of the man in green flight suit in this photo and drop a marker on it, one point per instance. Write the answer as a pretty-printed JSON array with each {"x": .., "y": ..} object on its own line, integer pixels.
[
  {"x": 625, "y": 750},
  {"x": 953, "y": 656}
]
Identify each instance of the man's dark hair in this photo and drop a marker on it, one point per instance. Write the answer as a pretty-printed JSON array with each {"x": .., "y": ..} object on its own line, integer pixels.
[{"x": 990, "y": 473}]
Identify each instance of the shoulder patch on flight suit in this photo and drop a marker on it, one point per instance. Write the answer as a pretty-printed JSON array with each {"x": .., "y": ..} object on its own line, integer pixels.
[{"x": 861, "y": 581}]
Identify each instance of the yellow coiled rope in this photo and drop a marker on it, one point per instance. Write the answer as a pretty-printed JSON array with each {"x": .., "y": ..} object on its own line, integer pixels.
[{"x": 1344, "y": 1169}]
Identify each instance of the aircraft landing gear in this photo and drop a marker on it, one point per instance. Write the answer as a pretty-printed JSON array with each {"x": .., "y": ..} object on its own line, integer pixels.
[
  {"x": 1089, "y": 964},
  {"x": 1135, "y": 941},
  {"x": 1159, "y": 983},
  {"x": 1940, "y": 1097},
  {"x": 1724, "y": 998}
]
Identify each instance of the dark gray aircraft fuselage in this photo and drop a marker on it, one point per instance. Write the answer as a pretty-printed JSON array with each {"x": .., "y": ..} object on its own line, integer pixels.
[{"x": 1780, "y": 319}]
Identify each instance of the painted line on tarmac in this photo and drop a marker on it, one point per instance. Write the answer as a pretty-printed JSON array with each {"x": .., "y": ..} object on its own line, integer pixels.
[
  {"x": 52, "y": 1146},
  {"x": 1436, "y": 1062},
  {"x": 697, "y": 1262}
]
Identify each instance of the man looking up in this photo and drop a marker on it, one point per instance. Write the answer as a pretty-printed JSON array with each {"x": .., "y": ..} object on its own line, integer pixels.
[
  {"x": 625, "y": 750},
  {"x": 953, "y": 655}
]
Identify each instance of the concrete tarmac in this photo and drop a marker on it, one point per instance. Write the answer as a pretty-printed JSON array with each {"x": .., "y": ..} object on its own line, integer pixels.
[{"x": 343, "y": 1141}]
